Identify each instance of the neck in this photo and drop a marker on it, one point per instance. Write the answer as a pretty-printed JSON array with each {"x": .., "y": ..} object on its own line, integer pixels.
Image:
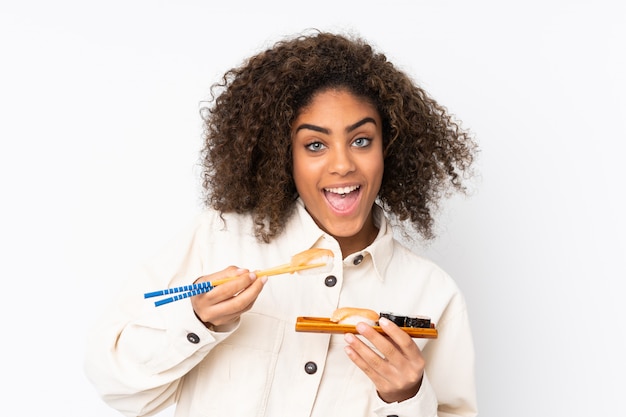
[{"x": 358, "y": 242}]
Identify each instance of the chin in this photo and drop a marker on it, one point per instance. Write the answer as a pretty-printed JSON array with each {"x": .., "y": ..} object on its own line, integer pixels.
[{"x": 344, "y": 232}]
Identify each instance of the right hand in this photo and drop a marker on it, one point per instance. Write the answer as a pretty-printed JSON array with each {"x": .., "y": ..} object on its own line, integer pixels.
[{"x": 225, "y": 303}]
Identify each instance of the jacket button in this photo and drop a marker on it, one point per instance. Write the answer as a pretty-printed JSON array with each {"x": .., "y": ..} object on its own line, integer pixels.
[
  {"x": 357, "y": 259},
  {"x": 310, "y": 368},
  {"x": 193, "y": 338},
  {"x": 330, "y": 281}
]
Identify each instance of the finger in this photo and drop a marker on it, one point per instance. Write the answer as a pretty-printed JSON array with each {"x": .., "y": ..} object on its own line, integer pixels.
[
  {"x": 372, "y": 363},
  {"x": 396, "y": 375},
  {"x": 229, "y": 289},
  {"x": 234, "y": 307},
  {"x": 243, "y": 298},
  {"x": 382, "y": 342},
  {"x": 204, "y": 301},
  {"x": 229, "y": 272},
  {"x": 401, "y": 354},
  {"x": 405, "y": 358},
  {"x": 228, "y": 304},
  {"x": 402, "y": 344}
]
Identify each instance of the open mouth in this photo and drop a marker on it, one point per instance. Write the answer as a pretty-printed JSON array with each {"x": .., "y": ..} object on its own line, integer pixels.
[{"x": 342, "y": 199}]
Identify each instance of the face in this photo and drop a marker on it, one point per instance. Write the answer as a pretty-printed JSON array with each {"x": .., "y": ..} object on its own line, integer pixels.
[{"x": 338, "y": 165}]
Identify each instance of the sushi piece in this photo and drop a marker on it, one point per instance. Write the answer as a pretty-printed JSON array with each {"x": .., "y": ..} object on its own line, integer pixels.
[
  {"x": 311, "y": 256},
  {"x": 394, "y": 318},
  {"x": 314, "y": 260},
  {"x": 420, "y": 322},
  {"x": 318, "y": 260},
  {"x": 353, "y": 315},
  {"x": 407, "y": 321}
]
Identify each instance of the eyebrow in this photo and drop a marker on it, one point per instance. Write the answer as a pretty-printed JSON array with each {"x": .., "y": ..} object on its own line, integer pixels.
[{"x": 327, "y": 131}]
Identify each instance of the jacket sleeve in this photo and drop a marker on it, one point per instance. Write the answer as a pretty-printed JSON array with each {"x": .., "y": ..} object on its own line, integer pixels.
[
  {"x": 450, "y": 362},
  {"x": 136, "y": 354},
  {"x": 448, "y": 388}
]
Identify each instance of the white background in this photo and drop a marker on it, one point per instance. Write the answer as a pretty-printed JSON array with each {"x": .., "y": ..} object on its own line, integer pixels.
[{"x": 100, "y": 134}]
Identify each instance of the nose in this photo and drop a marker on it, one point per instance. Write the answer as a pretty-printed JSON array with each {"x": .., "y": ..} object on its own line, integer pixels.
[{"x": 341, "y": 161}]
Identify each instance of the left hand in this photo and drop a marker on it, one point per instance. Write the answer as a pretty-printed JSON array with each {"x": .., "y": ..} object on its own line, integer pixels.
[{"x": 398, "y": 374}]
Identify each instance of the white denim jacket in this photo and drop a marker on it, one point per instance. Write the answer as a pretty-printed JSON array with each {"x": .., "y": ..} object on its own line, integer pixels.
[{"x": 143, "y": 359}]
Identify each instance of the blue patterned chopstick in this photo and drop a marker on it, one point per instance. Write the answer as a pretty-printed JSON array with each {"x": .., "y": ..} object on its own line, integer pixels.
[{"x": 186, "y": 290}]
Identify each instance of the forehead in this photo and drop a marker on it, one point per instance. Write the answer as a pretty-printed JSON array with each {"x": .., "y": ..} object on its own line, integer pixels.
[{"x": 333, "y": 102}]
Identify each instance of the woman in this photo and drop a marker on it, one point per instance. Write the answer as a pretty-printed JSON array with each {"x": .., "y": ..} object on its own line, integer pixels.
[{"x": 319, "y": 142}]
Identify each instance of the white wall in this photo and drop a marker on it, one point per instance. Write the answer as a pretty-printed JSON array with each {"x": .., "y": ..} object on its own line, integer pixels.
[{"x": 99, "y": 139}]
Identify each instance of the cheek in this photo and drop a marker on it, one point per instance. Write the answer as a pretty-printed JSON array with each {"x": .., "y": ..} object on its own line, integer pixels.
[
  {"x": 378, "y": 168},
  {"x": 301, "y": 175}
]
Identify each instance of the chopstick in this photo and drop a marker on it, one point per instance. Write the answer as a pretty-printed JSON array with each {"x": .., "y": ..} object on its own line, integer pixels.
[
  {"x": 203, "y": 287},
  {"x": 284, "y": 269},
  {"x": 187, "y": 291}
]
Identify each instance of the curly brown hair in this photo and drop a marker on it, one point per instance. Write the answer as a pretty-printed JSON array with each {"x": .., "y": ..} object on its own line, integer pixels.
[{"x": 246, "y": 157}]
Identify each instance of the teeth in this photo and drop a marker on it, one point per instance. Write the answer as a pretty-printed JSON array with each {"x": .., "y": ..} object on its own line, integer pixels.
[{"x": 342, "y": 190}]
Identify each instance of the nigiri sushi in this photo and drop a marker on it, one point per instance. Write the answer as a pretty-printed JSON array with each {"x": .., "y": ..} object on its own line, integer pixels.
[
  {"x": 317, "y": 260},
  {"x": 315, "y": 256},
  {"x": 354, "y": 315}
]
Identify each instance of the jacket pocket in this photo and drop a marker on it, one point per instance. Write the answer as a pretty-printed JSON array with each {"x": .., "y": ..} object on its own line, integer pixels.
[{"x": 236, "y": 376}]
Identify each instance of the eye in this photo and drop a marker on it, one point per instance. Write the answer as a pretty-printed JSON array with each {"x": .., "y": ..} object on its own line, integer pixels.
[
  {"x": 362, "y": 142},
  {"x": 315, "y": 146}
]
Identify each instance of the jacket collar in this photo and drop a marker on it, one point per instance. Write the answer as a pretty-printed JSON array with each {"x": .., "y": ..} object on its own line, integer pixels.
[{"x": 303, "y": 233}]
